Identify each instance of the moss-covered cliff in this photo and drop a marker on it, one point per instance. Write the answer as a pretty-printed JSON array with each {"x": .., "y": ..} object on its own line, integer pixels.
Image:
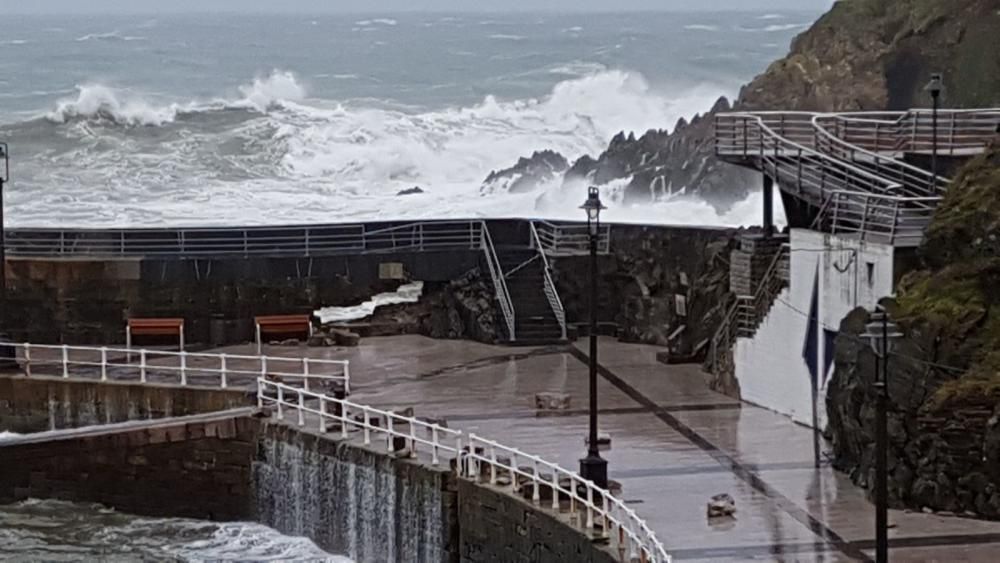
[
  {"x": 861, "y": 55},
  {"x": 944, "y": 383}
]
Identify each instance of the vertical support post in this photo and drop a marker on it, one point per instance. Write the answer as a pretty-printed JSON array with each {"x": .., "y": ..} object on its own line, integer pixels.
[
  {"x": 590, "y": 506},
  {"x": 493, "y": 465},
  {"x": 935, "y": 95},
  {"x": 768, "y": 205},
  {"x": 281, "y": 400},
  {"x": 305, "y": 373},
  {"x": 104, "y": 364},
  {"x": 142, "y": 365},
  {"x": 128, "y": 343},
  {"x": 368, "y": 427},
  {"x": 263, "y": 367},
  {"x": 181, "y": 337},
  {"x": 65, "y": 361},
  {"x": 555, "y": 491},
  {"x": 434, "y": 445},
  {"x": 389, "y": 433},
  {"x": 344, "y": 417},
  {"x": 222, "y": 371},
  {"x": 413, "y": 438},
  {"x": 536, "y": 493},
  {"x": 184, "y": 378},
  {"x": 347, "y": 378},
  {"x": 257, "y": 337},
  {"x": 302, "y": 409},
  {"x": 322, "y": 414},
  {"x": 27, "y": 359}
]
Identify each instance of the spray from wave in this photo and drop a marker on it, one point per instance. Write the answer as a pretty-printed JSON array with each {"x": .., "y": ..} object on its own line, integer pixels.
[{"x": 271, "y": 154}]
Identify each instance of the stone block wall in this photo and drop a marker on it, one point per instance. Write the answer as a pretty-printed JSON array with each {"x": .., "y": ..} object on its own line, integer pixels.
[
  {"x": 180, "y": 468},
  {"x": 40, "y": 404},
  {"x": 498, "y": 527}
]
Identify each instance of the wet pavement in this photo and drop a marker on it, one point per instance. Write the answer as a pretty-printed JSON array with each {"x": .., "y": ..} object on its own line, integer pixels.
[{"x": 675, "y": 444}]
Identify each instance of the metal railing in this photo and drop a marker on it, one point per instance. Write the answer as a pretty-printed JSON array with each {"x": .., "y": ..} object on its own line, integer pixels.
[
  {"x": 499, "y": 465},
  {"x": 958, "y": 131},
  {"x": 900, "y": 221},
  {"x": 816, "y": 177},
  {"x": 306, "y": 240},
  {"x": 570, "y": 239},
  {"x": 551, "y": 294},
  {"x": 196, "y": 369},
  {"x": 483, "y": 461},
  {"x": 499, "y": 282}
]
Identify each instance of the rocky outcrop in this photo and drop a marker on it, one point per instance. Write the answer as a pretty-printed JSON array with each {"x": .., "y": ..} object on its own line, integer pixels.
[
  {"x": 944, "y": 379},
  {"x": 542, "y": 167},
  {"x": 861, "y": 55},
  {"x": 666, "y": 286}
]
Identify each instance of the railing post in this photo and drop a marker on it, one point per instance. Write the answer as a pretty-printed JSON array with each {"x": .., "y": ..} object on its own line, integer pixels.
[
  {"x": 473, "y": 463},
  {"x": 434, "y": 445},
  {"x": 344, "y": 418},
  {"x": 184, "y": 378},
  {"x": 263, "y": 367},
  {"x": 389, "y": 432},
  {"x": 536, "y": 494},
  {"x": 413, "y": 439},
  {"x": 555, "y": 490},
  {"x": 368, "y": 427},
  {"x": 65, "y": 361},
  {"x": 302, "y": 408},
  {"x": 27, "y": 359},
  {"x": 222, "y": 371},
  {"x": 104, "y": 364},
  {"x": 347, "y": 378},
  {"x": 322, "y": 414},
  {"x": 305, "y": 373},
  {"x": 261, "y": 385},
  {"x": 281, "y": 400},
  {"x": 513, "y": 472},
  {"x": 142, "y": 365},
  {"x": 493, "y": 465},
  {"x": 590, "y": 506}
]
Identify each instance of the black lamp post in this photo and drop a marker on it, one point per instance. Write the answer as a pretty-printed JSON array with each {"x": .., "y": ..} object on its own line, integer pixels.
[
  {"x": 4, "y": 178},
  {"x": 935, "y": 87},
  {"x": 593, "y": 467},
  {"x": 881, "y": 334}
]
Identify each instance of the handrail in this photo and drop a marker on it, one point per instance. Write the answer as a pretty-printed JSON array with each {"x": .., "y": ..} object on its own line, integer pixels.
[
  {"x": 499, "y": 283},
  {"x": 631, "y": 535},
  {"x": 187, "y": 368},
  {"x": 550, "y": 287},
  {"x": 570, "y": 239},
  {"x": 604, "y": 514}
]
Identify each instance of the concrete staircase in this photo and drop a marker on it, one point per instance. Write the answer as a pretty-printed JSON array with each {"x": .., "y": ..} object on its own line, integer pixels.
[{"x": 535, "y": 321}]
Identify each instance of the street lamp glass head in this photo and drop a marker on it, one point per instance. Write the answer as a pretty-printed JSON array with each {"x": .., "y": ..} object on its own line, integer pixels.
[
  {"x": 593, "y": 205},
  {"x": 935, "y": 86}
]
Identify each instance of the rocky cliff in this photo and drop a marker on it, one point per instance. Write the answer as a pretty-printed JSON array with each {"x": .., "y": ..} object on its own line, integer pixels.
[
  {"x": 944, "y": 381},
  {"x": 861, "y": 55}
]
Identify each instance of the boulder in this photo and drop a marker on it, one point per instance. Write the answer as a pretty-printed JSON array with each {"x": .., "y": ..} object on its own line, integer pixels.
[
  {"x": 344, "y": 337},
  {"x": 552, "y": 401},
  {"x": 410, "y": 191},
  {"x": 721, "y": 506}
]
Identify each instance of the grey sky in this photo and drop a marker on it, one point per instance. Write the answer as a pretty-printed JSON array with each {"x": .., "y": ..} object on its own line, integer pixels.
[{"x": 334, "y": 6}]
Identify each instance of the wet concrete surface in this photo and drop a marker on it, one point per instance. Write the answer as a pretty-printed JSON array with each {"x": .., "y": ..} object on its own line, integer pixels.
[{"x": 675, "y": 444}]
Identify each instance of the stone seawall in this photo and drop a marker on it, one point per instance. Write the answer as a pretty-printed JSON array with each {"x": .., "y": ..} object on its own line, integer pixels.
[
  {"x": 194, "y": 467},
  {"x": 38, "y": 404},
  {"x": 352, "y": 500},
  {"x": 498, "y": 527}
]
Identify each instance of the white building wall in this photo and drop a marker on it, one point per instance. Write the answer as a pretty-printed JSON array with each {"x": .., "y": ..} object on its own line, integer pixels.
[{"x": 771, "y": 367}]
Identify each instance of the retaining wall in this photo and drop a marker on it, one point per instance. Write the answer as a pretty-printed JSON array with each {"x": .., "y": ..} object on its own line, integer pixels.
[{"x": 38, "y": 404}]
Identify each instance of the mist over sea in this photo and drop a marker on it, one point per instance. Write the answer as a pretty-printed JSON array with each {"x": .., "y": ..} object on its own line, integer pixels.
[{"x": 223, "y": 119}]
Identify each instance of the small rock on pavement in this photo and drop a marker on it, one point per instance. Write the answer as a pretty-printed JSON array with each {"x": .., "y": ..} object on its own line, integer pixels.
[
  {"x": 721, "y": 505},
  {"x": 552, "y": 401}
]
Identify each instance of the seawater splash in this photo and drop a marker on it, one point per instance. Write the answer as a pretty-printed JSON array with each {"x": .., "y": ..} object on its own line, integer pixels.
[
  {"x": 48, "y": 530},
  {"x": 270, "y": 154},
  {"x": 352, "y": 501},
  {"x": 407, "y": 293}
]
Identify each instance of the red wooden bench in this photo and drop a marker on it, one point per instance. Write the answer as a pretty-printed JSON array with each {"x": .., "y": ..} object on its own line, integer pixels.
[
  {"x": 282, "y": 325},
  {"x": 154, "y": 327}
]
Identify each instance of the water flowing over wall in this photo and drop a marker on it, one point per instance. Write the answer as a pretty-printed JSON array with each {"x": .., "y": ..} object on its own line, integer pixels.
[{"x": 352, "y": 501}]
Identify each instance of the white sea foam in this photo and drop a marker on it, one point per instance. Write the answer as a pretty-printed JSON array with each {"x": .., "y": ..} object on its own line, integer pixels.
[
  {"x": 507, "y": 37},
  {"x": 774, "y": 28},
  {"x": 701, "y": 27},
  {"x": 382, "y": 21},
  {"x": 14, "y": 42},
  {"x": 307, "y": 160},
  {"x": 771, "y": 17},
  {"x": 407, "y": 293},
  {"x": 110, "y": 36}
]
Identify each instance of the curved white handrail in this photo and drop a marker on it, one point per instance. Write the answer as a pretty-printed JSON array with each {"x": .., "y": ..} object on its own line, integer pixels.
[
  {"x": 550, "y": 287},
  {"x": 477, "y": 461}
]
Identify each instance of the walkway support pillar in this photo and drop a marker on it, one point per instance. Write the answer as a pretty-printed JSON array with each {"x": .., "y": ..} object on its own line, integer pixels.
[{"x": 768, "y": 205}]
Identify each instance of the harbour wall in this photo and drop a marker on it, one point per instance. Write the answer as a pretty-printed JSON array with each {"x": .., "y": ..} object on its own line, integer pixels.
[
  {"x": 39, "y": 404},
  {"x": 350, "y": 499}
]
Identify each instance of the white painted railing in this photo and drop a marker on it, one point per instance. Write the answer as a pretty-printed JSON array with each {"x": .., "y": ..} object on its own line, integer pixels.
[
  {"x": 550, "y": 287},
  {"x": 570, "y": 239},
  {"x": 184, "y": 368},
  {"x": 499, "y": 282},
  {"x": 590, "y": 508}
]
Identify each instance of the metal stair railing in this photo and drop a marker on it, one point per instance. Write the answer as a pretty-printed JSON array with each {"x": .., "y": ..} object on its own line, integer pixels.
[
  {"x": 959, "y": 131},
  {"x": 570, "y": 239},
  {"x": 899, "y": 221},
  {"x": 915, "y": 181},
  {"x": 808, "y": 173},
  {"x": 499, "y": 283},
  {"x": 550, "y": 287}
]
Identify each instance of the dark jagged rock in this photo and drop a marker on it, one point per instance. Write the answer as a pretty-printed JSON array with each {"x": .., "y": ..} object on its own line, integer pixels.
[
  {"x": 527, "y": 174},
  {"x": 411, "y": 191},
  {"x": 861, "y": 55},
  {"x": 944, "y": 381}
]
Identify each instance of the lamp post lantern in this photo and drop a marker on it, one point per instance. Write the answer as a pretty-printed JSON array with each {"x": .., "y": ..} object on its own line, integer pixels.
[
  {"x": 881, "y": 334},
  {"x": 935, "y": 87},
  {"x": 593, "y": 467}
]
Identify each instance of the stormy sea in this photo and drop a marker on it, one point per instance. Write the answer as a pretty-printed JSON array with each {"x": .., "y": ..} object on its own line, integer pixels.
[{"x": 210, "y": 120}]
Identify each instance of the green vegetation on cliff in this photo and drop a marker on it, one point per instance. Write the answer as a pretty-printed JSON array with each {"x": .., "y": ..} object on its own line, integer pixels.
[{"x": 955, "y": 302}]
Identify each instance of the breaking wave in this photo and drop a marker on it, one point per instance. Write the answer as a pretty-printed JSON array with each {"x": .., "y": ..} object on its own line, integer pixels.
[
  {"x": 271, "y": 154},
  {"x": 110, "y": 36}
]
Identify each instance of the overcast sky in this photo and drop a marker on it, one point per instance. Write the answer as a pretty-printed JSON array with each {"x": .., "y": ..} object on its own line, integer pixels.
[{"x": 333, "y": 6}]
